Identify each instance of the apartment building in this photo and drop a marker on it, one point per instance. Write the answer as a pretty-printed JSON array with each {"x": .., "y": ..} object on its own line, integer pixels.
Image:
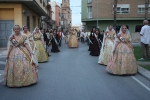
[
  {"x": 21, "y": 12},
  {"x": 56, "y": 14},
  {"x": 129, "y": 12},
  {"x": 66, "y": 15}
]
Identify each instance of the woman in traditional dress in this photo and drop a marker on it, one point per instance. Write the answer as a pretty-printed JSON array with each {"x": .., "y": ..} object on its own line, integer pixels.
[
  {"x": 31, "y": 43},
  {"x": 46, "y": 40},
  {"x": 55, "y": 43},
  {"x": 39, "y": 41},
  {"x": 67, "y": 37},
  {"x": 19, "y": 70},
  {"x": 73, "y": 40},
  {"x": 123, "y": 61},
  {"x": 107, "y": 46},
  {"x": 95, "y": 50},
  {"x": 90, "y": 45}
]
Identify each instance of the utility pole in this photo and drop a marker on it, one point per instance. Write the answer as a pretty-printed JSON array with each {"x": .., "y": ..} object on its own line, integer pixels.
[
  {"x": 97, "y": 12},
  {"x": 115, "y": 12},
  {"x": 146, "y": 9}
]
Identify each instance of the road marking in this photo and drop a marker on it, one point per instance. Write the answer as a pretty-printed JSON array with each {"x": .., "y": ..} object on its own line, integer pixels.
[
  {"x": 2, "y": 62},
  {"x": 146, "y": 87}
]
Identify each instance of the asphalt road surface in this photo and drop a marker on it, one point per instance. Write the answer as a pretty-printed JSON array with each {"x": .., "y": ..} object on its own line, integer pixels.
[{"x": 73, "y": 74}]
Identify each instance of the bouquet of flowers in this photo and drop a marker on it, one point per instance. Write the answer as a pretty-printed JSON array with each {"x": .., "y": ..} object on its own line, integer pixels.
[{"x": 107, "y": 34}]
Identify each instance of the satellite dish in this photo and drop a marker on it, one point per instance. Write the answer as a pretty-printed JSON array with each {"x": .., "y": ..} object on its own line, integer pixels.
[{"x": 26, "y": 12}]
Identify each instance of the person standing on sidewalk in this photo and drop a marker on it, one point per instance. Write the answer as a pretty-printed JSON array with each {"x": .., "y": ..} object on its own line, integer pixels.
[
  {"x": 145, "y": 40},
  {"x": 87, "y": 37}
]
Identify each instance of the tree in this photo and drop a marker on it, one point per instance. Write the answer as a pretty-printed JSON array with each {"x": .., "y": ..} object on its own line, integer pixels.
[
  {"x": 115, "y": 12},
  {"x": 146, "y": 9}
]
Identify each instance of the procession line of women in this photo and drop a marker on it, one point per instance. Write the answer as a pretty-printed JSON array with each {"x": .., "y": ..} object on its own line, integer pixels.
[{"x": 26, "y": 50}]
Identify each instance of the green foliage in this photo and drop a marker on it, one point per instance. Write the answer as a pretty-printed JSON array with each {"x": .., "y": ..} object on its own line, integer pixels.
[
  {"x": 146, "y": 67},
  {"x": 138, "y": 53}
]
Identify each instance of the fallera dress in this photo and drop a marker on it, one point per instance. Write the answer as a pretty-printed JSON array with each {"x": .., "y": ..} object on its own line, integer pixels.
[
  {"x": 123, "y": 61},
  {"x": 33, "y": 47},
  {"x": 106, "y": 51},
  {"x": 19, "y": 71},
  {"x": 54, "y": 41},
  {"x": 42, "y": 55},
  {"x": 73, "y": 40},
  {"x": 95, "y": 50},
  {"x": 67, "y": 37}
]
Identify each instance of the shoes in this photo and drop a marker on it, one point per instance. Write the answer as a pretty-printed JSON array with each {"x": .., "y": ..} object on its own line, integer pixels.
[{"x": 142, "y": 59}]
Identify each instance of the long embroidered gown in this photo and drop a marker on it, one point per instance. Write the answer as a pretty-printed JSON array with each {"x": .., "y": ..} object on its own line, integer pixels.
[
  {"x": 123, "y": 61},
  {"x": 73, "y": 41},
  {"x": 33, "y": 46},
  {"x": 67, "y": 37},
  {"x": 95, "y": 50},
  {"x": 19, "y": 71},
  {"x": 54, "y": 41},
  {"x": 106, "y": 51},
  {"x": 41, "y": 51}
]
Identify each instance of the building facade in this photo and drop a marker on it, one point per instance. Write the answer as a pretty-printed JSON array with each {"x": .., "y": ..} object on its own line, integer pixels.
[
  {"x": 66, "y": 15},
  {"x": 21, "y": 12},
  {"x": 56, "y": 14},
  {"x": 100, "y": 12}
]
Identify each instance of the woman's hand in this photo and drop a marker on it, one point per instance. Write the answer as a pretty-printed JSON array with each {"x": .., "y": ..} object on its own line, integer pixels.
[
  {"x": 113, "y": 51},
  {"x": 7, "y": 57},
  {"x": 31, "y": 53}
]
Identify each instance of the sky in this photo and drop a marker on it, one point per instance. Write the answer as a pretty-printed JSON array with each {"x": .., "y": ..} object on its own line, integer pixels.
[{"x": 76, "y": 10}]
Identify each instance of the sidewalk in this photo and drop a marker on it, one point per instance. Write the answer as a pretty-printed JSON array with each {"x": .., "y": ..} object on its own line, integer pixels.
[
  {"x": 3, "y": 52},
  {"x": 136, "y": 44}
]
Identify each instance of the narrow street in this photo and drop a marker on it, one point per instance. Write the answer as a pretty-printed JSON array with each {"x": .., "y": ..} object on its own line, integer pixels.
[{"x": 73, "y": 74}]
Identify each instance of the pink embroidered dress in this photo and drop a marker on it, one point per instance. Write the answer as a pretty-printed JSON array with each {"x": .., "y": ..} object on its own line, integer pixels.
[
  {"x": 19, "y": 71},
  {"x": 123, "y": 61}
]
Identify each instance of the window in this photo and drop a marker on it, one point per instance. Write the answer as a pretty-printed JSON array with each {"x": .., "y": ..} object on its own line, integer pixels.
[
  {"x": 28, "y": 22},
  {"x": 40, "y": 1},
  {"x": 141, "y": 9},
  {"x": 138, "y": 28},
  {"x": 89, "y": 12},
  {"x": 123, "y": 8},
  {"x": 89, "y": 1},
  {"x": 33, "y": 22},
  {"x": 43, "y": 3}
]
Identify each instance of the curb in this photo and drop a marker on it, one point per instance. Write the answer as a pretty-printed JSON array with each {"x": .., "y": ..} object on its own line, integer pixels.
[{"x": 144, "y": 72}]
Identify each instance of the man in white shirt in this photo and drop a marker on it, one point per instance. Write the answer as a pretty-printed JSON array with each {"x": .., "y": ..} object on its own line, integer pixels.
[
  {"x": 145, "y": 40},
  {"x": 82, "y": 36},
  {"x": 88, "y": 36}
]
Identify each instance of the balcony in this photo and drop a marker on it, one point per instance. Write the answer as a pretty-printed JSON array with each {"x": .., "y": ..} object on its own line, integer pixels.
[{"x": 34, "y": 5}]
